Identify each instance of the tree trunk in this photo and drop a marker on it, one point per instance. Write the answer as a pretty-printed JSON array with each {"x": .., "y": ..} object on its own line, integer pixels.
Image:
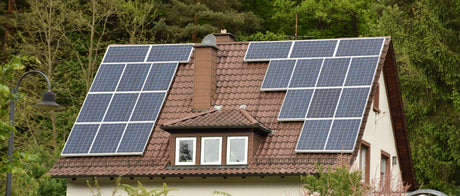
[{"x": 8, "y": 28}]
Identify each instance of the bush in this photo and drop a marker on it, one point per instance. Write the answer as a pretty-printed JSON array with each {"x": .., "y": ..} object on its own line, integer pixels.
[{"x": 338, "y": 181}]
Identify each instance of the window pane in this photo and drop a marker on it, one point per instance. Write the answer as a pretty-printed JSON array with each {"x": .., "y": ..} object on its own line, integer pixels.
[
  {"x": 237, "y": 150},
  {"x": 364, "y": 163},
  {"x": 185, "y": 150},
  {"x": 383, "y": 177},
  {"x": 211, "y": 150},
  {"x": 383, "y": 165}
]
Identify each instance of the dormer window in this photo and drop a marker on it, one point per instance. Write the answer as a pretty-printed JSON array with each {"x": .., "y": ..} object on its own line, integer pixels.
[
  {"x": 211, "y": 150},
  {"x": 237, "y": 150},
  {"x": 185, "y": 150}
]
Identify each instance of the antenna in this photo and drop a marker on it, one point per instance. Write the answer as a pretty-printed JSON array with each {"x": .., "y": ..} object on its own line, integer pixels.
[{"x": 296, "y": 22}]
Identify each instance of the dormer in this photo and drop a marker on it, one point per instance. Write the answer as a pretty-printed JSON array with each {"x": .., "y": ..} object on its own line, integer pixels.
[{"x": 215, "y": 137}]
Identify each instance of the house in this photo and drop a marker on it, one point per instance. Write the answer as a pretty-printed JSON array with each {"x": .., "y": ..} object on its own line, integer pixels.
[{"x": 247, "y": 118}]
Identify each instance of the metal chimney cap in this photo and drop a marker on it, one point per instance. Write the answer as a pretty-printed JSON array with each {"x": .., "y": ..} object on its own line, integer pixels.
[{"x": 209, "y": 40}]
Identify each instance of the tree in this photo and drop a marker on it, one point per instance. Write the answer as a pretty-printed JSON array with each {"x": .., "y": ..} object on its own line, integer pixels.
[
  {"x": 181, "y": 21},
  {"x": 425, "y": 34},
  {"x": 323, "y": 19}
]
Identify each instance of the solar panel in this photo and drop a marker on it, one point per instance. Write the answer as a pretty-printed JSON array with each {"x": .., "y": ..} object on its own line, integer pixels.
[
  {"x": 343, "y": 135},
  {"x": 121, "y": 107},
  {"x": 320, "y": 48},
  {"x": 106, "y": 79},
  {"x": 125, "y": 95},
  {"x": 306, "y": 73},
  {"x": 362, "y": 71},
  {"x": 333, "y": 72},
  {"x": 324, "y": 103},
  {"x": 80, "y": 139},
  {"x": 295, "y": 104},
  {"x": 135, "y": 137},
  {"x": 278, "y": 74},
  {"x": 264, "y": 51},
  {"x": 133, "y": 77},
  {"x": 117, "y": 54},
  {"x": 94, "y": 107},
  {"x": 107, "y": 138},
  {"x": 173, "y": 52},
  {"x": 314, "y": 134},
  {"x": 148, "y": 107},
  {"x": 330, "y": 83},
  {"x": 160, "y": 76},
  {"x": 352, "y": 102},
  {"x": 360, "y": 47}
]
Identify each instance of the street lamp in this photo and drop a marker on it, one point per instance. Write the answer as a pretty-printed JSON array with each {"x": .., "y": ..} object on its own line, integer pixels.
[{"x": 48, "y": 103}]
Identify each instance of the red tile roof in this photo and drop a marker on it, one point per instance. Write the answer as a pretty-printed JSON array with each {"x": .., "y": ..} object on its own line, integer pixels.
[{"x": 238, "y": 83}]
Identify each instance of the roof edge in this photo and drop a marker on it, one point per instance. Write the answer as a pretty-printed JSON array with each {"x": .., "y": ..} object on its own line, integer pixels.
[{"x": 390, "y": 74}]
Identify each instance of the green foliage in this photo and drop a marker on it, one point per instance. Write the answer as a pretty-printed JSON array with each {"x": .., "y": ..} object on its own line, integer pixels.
[
  {"x": 338, "y": 181},
  {"x": 191, "y": 20},
  {"x": 323, "y": 19},
  {"x": 30, "y": 178},
  {"x": 427, "y": 45},
  {"x": 267, "y": 36}
]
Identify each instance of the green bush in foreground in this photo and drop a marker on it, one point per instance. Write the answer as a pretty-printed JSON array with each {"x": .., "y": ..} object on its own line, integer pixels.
[{"x": 338, "y": 181}]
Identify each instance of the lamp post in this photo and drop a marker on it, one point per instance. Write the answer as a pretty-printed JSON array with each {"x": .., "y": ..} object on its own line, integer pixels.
[{"x": 48, "y": 102}]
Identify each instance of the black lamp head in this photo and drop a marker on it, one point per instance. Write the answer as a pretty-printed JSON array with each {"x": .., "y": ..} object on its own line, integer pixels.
[{"x": 49, "y": 102}]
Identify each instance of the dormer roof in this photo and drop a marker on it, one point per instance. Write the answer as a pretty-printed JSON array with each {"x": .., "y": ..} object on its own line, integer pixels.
[{"x": 217, "y": 120}]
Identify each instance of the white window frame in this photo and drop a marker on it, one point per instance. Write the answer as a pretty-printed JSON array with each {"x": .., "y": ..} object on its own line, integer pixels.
[
  {"x": 203, "y": 140},
  {"x": 229, "y": 141},
  {"x": 178, "y": 140}
]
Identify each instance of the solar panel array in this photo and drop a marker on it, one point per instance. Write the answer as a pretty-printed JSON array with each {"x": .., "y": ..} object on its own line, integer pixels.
[
  {"x": 120, "y": 110},
  {"x": 328, "y": 84}
]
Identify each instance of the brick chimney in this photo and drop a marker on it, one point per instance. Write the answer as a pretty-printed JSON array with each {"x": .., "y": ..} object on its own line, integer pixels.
[
  {"x": 205, "y": 73},
  {"x": 224, "y": 37}
]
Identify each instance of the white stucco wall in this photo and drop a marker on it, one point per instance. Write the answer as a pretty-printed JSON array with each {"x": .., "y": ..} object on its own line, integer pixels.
[
  {"x": 379, "y": 133},
  {"x": 197, "y": 186}
]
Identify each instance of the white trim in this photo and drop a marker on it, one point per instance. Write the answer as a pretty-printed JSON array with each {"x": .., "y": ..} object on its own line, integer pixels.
[
  {"x": 330, "y": 118},
  {"x": 324, "y": 151},
  {"x": 203, "y": 146},
  {"x": 292, "y": 73},
  {"x": 178, "y": 140},
  {"x": 147, "y": 55},
  {"x": 229, "y": 139},
  {"x": 112, "y": 122},
  {"x": 290, "y": 50},
  {"x": 101, "y": 154},
  {"x": 336, "y": 47},
  {"x": 125, "y": 92}
]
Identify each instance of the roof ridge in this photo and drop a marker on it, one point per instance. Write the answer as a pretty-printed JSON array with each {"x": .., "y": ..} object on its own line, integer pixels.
[
  {"x": 248, "y": 116},
  {"x": 254, "y": 121}
]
